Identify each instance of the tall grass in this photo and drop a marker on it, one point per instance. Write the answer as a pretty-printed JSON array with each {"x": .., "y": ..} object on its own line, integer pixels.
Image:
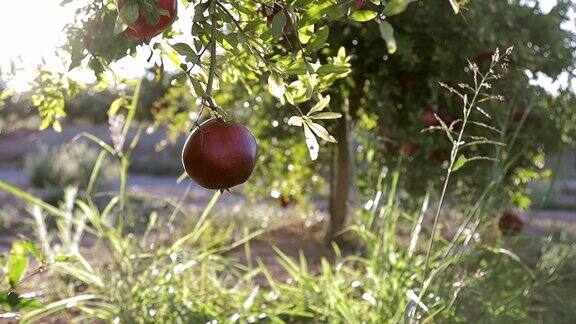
[{"x": 122, "y": 277}]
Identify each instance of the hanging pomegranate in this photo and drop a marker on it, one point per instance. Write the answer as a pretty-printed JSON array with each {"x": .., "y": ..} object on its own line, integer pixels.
[{"x": 220, "y": 155}]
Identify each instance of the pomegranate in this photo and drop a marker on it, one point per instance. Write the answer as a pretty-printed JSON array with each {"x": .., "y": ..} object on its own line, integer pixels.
[
  {"x": 408, "y": 148},
  {"x": 428, "y": 118},
  {"x": 359, "y": 4},
  {"x": 285, "y": 201},
  {"x": 278, "y": 7},
  {"x": 140, "y": 29},
  {"x": 220, "y": 155},
  {"x": 439, "y": 155},
  {"x": 510, "y": 224},
  {"x": 451, "y": 121},
  {"x": 484, "y": 56}
]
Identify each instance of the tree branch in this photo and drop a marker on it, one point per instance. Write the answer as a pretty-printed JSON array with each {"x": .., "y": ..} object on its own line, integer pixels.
[{"x": 212, "y": 71}]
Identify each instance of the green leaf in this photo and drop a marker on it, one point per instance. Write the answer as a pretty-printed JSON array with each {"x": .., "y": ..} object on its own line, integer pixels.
[
  {"x": 129, "y": 12},
  {"x": 198, "y": 45},
  {"x": 387, "y": 32},
  {"x": 5, "y": 94},
  {"x": 12, "y": 301},
  {"x": 321, "y": 132},
  {"x": 395, "y": 7},
  {"x": 253, "y": 25},
  {"x": 17, "y": 265},
  {"x": 296, "y": 92},
  {"x": 198, "y": 89},
  {"x": 302, "y": 3},
  {"x": 44, "y": 124},
  {"x": 311, "y": 142},
  {"x": 459, "y": 163},
  {"x": 310, "y": 82},
  {"x": 305, "y": 33},
  {"x": 150, "y": 12},
  {"x": 315, "y": 13},
  {"x": 278, "y": 24},
  {"x": 57, "y": 127},
  {"x": 185, "y": 50},
  {"x": 320, "y": 105},
  {"x": 8, "y": 301},
  {"x": 276, "y": 85},
  {"x": 116, "y": 105},
  {"x": 455, "y": 6},
  {"x": 298, "y": 68},
  {"x": 320, "y": 40},
  {"x": 363, "y": 15},
  {"x": 295, "y": 121},
  {"x": 331, "y": 68},
  {"x": 120, "y": 26},
  {"x": 326, "y": 115}
]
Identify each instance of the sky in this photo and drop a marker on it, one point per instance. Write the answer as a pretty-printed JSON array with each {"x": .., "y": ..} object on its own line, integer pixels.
[{"x": 30, "y": 36}]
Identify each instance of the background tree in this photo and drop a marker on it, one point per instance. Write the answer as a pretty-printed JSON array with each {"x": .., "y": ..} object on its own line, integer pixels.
[{"x": 389, "y": 98}]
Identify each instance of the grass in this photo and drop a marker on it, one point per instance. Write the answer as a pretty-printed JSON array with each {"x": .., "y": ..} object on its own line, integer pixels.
[
  {"x": 153, "y": 277},
  {"x": 95, "y": 266}
]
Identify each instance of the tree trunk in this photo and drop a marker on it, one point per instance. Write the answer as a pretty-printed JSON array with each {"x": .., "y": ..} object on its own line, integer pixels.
[
  {"x": 341, "y": 181},
  {"x": 342, "y": 177}
]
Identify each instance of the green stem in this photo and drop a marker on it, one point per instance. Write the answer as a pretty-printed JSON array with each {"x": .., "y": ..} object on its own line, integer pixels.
[
  {"x": 124, "y": 164},
  {"x": 125, "y": 156},
  {"x": 212, "y": 70},
  {"x": 19, "y": 193},
  {"x": 468, "y": 107}
]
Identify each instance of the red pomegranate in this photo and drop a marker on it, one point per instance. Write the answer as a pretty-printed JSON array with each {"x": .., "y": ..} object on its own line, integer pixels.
[
  {"x": 359, "y": 4},
  {"x": 510, "y": 224},
  {"x": 220, "y": 155},
  {"x": 278, "y": 7},
  {"x": 428, "y": 118},
  {"x": 408, "y": 148},
  {"x": 141, "y": 31},
  {"x": 439, "y": 155},
  {"x": 451, "y": 121},
  {"x": 285, "y": 201}
]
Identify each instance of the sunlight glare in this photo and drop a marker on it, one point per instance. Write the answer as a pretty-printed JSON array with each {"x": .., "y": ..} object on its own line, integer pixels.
[{"x": 31, "y": 32}]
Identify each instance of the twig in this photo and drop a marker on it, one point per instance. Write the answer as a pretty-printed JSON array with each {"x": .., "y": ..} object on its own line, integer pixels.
[
  {"x": 42, "y": 268},
  {"x": 212, "y": 71}
]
